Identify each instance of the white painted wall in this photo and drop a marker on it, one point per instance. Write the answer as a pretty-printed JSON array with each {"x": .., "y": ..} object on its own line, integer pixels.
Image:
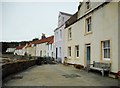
[
  {"x": 20, "y": 52},
  {"x": 49, "y": 50},
  {"x": 59, "y": 37},
  {"x": 10, "y": 50},
  {"x": 41, "y": 48}
]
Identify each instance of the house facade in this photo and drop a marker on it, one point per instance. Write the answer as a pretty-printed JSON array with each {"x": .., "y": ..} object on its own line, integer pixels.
[
  {"x": 20, "y": 50},
  {"x": 10, "y": 50},
  {"x": 93, "y": 34},
  {"x": 31, "y": 49},
  {"x": 50, "y": 48},
  {"x": 42, "y": 46},
  {"x": 59, "y": 36}
]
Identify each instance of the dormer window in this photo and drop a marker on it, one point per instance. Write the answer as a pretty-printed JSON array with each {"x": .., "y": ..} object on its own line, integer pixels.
[{"x": 88, "y": 4}]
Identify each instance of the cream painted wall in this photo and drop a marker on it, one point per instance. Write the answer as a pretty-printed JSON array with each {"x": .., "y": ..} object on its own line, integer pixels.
[
  {"x": 41, "y": 47},
  {"x": 84, "y": 10},
  {"x": 104, "y": 27},
  {"x": 31, "y": 50}
]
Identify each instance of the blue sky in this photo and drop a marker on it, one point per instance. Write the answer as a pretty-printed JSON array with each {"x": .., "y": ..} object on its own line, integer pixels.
[{"x": 23, "y": 21}]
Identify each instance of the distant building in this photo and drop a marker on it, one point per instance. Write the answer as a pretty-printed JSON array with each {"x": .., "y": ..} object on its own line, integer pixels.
[
  {"x": 59, "y": 36},
  {"x": 10, "y": 50},
  {"x": 50, "y": 47},
  {"x": 40, "y": 47},
  {"x": 20, "y": 50}
]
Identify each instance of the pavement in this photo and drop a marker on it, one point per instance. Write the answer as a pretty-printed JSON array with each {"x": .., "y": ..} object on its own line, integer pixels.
[{"x": 59, "y": 75}]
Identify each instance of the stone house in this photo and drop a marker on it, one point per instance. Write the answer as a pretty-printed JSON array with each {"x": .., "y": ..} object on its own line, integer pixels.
[{"x": 93, "y": 34}]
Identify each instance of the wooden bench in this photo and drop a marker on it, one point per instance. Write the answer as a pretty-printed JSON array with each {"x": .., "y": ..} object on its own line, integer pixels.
[{"x": 100, "y": 66}]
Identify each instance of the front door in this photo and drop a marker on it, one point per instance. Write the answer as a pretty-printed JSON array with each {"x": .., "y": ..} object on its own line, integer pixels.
[
  {"x": 88, "y": 54},
  {"x": 56, "y": 54}
]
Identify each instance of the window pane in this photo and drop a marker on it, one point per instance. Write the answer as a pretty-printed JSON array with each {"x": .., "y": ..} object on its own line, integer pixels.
[
  {"x": 69, "y": 33},
  {"x": 106, "y": 49},
  {"x": 69, "y": 51},
  {"x": 106, "y": 44},
  {"x": 77, "y": 51},
  {"x": 88, "y": 24},
  {"x": 105, "y": 53},
  {"x": 108, "y": 52}
]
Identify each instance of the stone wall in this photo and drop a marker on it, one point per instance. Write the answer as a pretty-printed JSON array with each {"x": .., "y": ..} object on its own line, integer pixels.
[{"x": 15, "y": 67}]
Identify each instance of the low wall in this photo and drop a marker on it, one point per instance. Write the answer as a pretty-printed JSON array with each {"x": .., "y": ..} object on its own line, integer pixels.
[{"x": 15, "y": 67}]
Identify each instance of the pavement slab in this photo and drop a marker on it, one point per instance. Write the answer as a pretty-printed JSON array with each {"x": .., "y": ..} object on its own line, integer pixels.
[{"x": 59, "y": 75}]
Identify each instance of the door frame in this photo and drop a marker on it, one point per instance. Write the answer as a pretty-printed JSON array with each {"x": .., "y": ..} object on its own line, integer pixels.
[
  {"x": 56, "y": 56},
  {"x": 85, "y": 54}
]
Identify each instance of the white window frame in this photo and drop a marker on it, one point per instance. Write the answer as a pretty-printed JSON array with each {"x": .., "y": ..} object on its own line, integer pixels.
[
  {"x": 105, "y": 48},
  {"x": 77, "y": 51},
  {"x": 41, "y": 53},
  {"x": 50, "y": 46},
  {"x": 60, "y": 33},
  {"x": 60, "y": 51},
  {"x": 69, "y": 33},
  {"x": 88, "y": 24},
  {"x": 69, "y": 52}
]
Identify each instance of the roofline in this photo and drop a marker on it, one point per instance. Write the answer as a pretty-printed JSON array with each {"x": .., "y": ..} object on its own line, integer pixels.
[
  {"x": 66, "y": 13},
  {"x": 41, "y": 39},
  {"x": 59, "y": 27},
  {"x": 88, "y": 13}
]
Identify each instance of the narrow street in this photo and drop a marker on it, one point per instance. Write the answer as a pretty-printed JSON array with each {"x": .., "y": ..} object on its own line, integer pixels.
[{"x": 59, "y": 75}]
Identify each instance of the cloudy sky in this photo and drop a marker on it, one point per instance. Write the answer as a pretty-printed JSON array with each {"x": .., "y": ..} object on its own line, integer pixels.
[{"x": 22, "y": 21}]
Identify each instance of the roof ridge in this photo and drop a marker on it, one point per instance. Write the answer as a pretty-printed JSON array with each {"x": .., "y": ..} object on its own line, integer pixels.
[{"x": 66, "y": 13}]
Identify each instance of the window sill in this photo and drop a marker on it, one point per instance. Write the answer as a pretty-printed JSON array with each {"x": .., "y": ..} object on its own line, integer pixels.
[
  {"x": 87, "y": 33},
  {"x": 69, "y": 58},
  {"x": 77, "y": 58},
  {"x": 106, "y": 59},
  {"x": 69, "y": 39}
]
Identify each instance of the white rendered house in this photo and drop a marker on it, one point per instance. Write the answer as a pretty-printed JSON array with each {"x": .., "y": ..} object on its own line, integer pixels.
[
  {"x": 41, "y": 46},
  {"x": 59, "y": 36},
  {"x": 20, "y": 50},
  {"x": 50, "y": 47}
]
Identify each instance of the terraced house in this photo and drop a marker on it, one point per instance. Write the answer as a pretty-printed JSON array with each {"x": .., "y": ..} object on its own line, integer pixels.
[
  {"x": 40, "y": 48},
  {"x": 59, "y": 36},
  {"x": 91, "y": 34}
]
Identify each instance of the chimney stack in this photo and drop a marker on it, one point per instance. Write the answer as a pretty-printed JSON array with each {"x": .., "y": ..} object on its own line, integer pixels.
[{"x": 43, "y": 36}]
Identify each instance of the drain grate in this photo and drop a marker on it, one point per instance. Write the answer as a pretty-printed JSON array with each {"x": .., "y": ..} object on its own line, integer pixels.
[
  {"x": 17, "y": 77},
  {"x": 71, "y": 75}
]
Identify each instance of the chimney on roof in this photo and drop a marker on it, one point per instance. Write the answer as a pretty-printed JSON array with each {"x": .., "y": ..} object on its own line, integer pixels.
[{"x": 43, "y": 36}]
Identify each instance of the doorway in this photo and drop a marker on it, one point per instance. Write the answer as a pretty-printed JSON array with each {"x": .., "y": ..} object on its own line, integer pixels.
[
  {"x": 88, "y": 54},
  {"x": 56, "y": 54}
]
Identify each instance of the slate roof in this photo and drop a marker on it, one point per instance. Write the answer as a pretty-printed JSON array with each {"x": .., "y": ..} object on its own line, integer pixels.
[
  {"x": 66, "y": 13},
  {"x": 71, "y": 20}
]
